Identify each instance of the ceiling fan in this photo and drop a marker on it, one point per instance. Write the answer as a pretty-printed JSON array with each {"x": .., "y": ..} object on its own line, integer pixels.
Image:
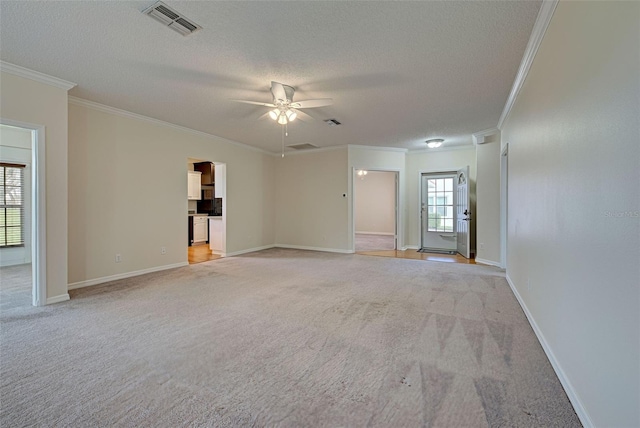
[{"x": 284, "y": 108}]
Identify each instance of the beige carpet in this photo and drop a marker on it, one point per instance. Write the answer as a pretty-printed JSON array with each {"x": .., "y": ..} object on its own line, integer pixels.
[{"x": 282, "y": 338}]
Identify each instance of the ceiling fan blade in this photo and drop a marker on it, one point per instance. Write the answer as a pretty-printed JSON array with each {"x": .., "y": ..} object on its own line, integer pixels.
[
  {"x": 303, "y": 116},
  {"x": 321, "y": 102},
  {"x": 257, "y": 103},
  {"x": 277, "y": 89}
]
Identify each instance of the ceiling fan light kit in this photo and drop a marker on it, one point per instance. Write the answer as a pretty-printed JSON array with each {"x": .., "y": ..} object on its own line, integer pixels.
[{"x": 284, "y": 108}]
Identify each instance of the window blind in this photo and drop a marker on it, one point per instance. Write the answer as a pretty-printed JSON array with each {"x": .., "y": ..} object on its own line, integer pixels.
[{"x": 11, "y": 205}]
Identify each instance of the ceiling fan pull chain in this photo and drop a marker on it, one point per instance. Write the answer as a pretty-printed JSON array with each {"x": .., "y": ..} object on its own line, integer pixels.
[{"x": 282, "y": 142}]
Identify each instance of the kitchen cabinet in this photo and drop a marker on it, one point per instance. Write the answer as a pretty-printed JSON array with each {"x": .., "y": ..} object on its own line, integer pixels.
[
  {"x": 220, "y": 176},
  {"x": 200, "y": 230},
  {"x": 193, "y": 185},
  {"x": 216, "y": 233},
  {"x": 207, "y": 169}
]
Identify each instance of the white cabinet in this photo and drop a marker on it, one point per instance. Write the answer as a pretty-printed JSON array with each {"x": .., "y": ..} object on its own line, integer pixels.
[
  {"x": 216, "y": 233},
  {"x": 199, "y": 229},
  {"x": 220, "y": 175},
  {"x": 193, "y": 186}
]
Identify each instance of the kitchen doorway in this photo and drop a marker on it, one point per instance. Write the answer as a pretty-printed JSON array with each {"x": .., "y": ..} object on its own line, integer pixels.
[
  {"x": 206, "y": 210},
  {"x": 23, "y": 216},
  {"x": 375, "y": 196}
]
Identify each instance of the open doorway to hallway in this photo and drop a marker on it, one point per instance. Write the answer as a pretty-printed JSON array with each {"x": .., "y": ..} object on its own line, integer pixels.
[
  {"x": 375, "y": 210},
  {"x": 16, "y": 252}
]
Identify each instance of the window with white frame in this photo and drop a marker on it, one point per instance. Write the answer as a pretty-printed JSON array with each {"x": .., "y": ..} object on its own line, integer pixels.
[
  {"x": 440, "y": 204},
  {"x": 11, "y": 205}
]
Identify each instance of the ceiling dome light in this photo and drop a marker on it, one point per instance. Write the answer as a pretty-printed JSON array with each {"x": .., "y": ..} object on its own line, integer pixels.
[{"x": 434, "y": 143}]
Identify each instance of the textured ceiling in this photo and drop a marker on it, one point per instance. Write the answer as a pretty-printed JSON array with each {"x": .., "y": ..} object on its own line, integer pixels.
[{"x": 398, "y": 72}]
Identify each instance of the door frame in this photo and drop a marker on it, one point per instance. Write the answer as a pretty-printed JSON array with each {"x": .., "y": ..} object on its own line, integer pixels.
[
  {"x": 419, "y": 204},
  {"x": 38, "y": 210},
  {"x": 504, "y": 195},
  {"x": 398, "y": 226}
]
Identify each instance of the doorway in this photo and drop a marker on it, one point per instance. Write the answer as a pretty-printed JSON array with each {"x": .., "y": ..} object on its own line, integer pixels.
[
  {"x": 438, "y": 212},
  {"x": 375, "y": 210},
  {"x": 445, "y": 213},
  {"x": 23, "y": 215}
]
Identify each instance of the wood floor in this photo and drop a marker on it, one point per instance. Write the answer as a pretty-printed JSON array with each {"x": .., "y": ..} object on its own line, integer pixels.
[
  {"x": 201, "y": 253},
  {"x": 414, "y": 254}
]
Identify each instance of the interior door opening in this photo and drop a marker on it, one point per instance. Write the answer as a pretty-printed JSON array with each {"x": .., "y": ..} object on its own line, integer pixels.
[
  {"x": 22, "y": 249},
  {"x": 375, "y": 196}
]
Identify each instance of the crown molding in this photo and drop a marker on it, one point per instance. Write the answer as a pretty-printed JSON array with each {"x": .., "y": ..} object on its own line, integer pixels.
[
  {"x": 35, "y": 75},
  {"x": 537, "y": 34},
  {"x": 124, "y": 113},
  {"x": 379, "y": 148},
  {"x": 294, "y": 152},
  {"x": 442, "y": 149},
  {"x": 481, "y": 137}
]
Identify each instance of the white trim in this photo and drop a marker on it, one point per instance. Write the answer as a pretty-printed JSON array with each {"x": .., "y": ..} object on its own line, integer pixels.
[
  {"x": 442, "y": 149},
  {"x": 38, "y": 210},
  {"x": 504, "y": 196},
  {"x": 488, "y": 262},
  {"x": 537, "y": 34},
  {"x": 376, "y": 233},
  {"x": 410, "y": 247},
  {"x": 568, "y": 387},
  {"x": 102, "y": 280},
  {"x": 294, "y": 152},
  {"x": 380, "y": 148},
  {"x": 249, "y": 250},
  {"x": 481, "y": 137},
  {"x": 57, "y": 299},
  {"x": 16, "y": 70},
  {"x": 304, "y": 247},
  {"x": 119, "y": 112}
]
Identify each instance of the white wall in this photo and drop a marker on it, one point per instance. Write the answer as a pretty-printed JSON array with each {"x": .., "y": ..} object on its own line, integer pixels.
[
  {"x": 375, "y": 203},
  {"x": 128, "y": 192},
  {"x": 488, "y": 201},
  {"x": 574, "y": 204},
  {"x": 15, "y": 147},
  {"x": 432, "y": 161},
  {"x": 28, "y": 101},
  {"x": 311, "y": 210}
]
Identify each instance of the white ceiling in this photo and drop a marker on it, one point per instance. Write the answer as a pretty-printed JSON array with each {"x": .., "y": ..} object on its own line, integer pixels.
[{"x": 398, "y": 72}]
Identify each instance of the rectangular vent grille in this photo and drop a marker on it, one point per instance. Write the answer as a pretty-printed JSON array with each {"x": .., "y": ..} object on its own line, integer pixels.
[
  {"x": 332, "y": 122},
  {"x": 303, "y": 146},
  {"x": 172, "y": 19}
]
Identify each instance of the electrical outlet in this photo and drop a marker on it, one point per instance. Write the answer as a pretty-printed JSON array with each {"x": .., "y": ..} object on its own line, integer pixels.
[
  {"x": 163, "y": 250},
  {"x": 118, "y": 258}
]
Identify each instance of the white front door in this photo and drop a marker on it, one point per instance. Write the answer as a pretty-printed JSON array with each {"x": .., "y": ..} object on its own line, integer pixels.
[
  {"x": 463, "y": 211},
  {"x": 438, "y": 212}
]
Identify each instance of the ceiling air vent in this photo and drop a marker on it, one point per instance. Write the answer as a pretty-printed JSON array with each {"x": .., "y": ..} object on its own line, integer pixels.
[
  {"x": 172, "y": 19},
  {"x": 332, "y": 122},
  {"x": 303, "y": 146}
]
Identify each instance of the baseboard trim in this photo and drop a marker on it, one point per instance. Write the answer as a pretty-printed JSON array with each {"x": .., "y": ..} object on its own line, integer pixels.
[
  {"x": 57, "y": 299},
  {"x": 302, "y": 247},
  {"x": 102, "y": 280},
  {"x": 487, "y": 262},
  {"x": 375, "y": 233},
  {"x": 249, "y": 250},
  {"x": 410, "y": 247},
  {"x": 566, "y": 384}
]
